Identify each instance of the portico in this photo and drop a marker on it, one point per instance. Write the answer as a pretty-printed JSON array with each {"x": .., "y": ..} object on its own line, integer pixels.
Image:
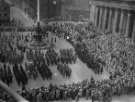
[{"x": 113, "y": 16}]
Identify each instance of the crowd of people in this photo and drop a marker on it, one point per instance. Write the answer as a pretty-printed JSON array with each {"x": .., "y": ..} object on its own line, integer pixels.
[
  {"x": 20, "y": 74},
  {"x": 96, "y": 90},
  {"x": 26, "y": 63},
  {"x": 8, "y": 72},
  {"x": 9, "y": 52},
  {"x": 51, "y": 57},
  {"x": 103, "y": 90},
  {"x": 67, "y": 56},
  {"x": 64, "y": 69},
  {"x": 110, "y": 52},
  {"x": 76, "y": 35},
  {"x": 39, "y": 65},
  {"x": 5, "y": 74},
  {"x": 94, "y": 63}
]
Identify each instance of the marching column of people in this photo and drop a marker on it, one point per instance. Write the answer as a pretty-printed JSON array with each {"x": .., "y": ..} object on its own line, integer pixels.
[
  {"x": 20, "y": 75},
  {"x": 6, "y": 74},
  {"x": 39, "y": 65},
  {"x": 51, "y": 58},
  {"x": 64, "y": 69},
  {"x": 13, "y": 52}
]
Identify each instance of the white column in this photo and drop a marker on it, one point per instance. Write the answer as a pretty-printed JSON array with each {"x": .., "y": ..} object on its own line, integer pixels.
[
  {"x": 124, "y": 24},
  {"x": 104, "y": 19},
  {"x": 110, "y": 20},
  {"x": 134, "y": 31},
  {"x": 96, "y": 16},
  {"x": 128, "y": 23},
  {"x": 121, "y": 22},
  {"x": 100, "y": 18},
  {"x": 115, "y": 21}
]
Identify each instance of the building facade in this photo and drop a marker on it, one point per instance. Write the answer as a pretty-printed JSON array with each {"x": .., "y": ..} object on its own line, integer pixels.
[
  {"x": 4, "y": 13},
  {"x": 50, "y": 8},
  {"x": 75, "y": 10},
  {"x": 117, "y": 16}
]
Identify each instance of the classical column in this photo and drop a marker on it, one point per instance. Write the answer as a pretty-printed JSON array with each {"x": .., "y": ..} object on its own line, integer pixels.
[
  {"x": 128, "y": 23},
  {"x": 104, "y": 19},
  {"x": 121, "y": 22},
  {"x": 134, "y": 31},
  {"x": 100, "y": 18},
  {"x": 110, "y": 20},
  {"x": 115, "y": 20},
  {"x": 96, "y": 16}
]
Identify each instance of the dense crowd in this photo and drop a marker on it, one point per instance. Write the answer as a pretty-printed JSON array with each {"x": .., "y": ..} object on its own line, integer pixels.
[
  {"x": 20, "y": 74},
  {"x": 22, "y": 63},
  {"x": 77, "y": 35},
  {"x": 64, "y": 69},
  {"x": 95, "y": 90},
  {"x": 67, "y": 56},
  {"x": 6, "y": 74},
  {"x": 94, "y": 63},
  {"x": 110, "y": 52},
  {"x": 51, "y": 57}
]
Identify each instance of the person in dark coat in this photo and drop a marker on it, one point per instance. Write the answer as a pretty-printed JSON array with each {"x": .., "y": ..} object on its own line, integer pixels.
[
  {"x": 5, "y": 74},
  {"x": 2, "y": 74},
  {"x": 17, "y": 74},
  {"x": 10, "y": 75},
  {"x": 23, "y": 75}
]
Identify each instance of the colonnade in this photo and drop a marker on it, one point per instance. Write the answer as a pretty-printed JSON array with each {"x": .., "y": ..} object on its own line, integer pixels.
[{"x": 115, "y": 20}]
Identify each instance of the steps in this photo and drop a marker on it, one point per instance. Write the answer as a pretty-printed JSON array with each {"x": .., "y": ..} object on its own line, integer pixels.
[{"x": 21, "y": 16}]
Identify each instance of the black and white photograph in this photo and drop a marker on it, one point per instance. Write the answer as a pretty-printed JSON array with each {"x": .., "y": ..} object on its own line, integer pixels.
[{"x": 67, "y": 50}]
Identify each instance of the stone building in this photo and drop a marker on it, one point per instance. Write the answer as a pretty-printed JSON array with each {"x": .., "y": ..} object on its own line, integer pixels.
[
  {"x": 4, "y": 13},
  {"x": 75, "y": 10},
  {"x": 116, "y": 16},
  {"x": 50, "y": 8}
]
